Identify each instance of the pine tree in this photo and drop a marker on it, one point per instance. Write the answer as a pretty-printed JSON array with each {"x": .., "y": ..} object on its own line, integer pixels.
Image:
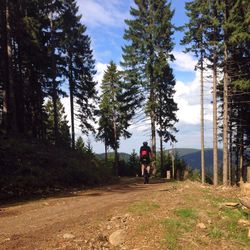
[
  {"x": 166, "y": 106},
  {"x": 148, "y": 32},
  {"x": 236, "y": 26},
  {"x": 63, "y": 127},
  {"x": 134, "y": 163},
  {"x": 80, "y": 67},
  {"x": 116, "y": 110},
  {"x": 80, "y": 146}
]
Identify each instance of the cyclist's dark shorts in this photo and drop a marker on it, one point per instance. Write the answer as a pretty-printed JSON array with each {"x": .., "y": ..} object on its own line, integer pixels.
[{"x": 145, "y": 161}]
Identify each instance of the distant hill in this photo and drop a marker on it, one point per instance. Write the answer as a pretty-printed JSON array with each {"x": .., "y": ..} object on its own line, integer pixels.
[
  {"x": 191, "y": 156},
  {"x": 122, "y": 156},
  {"x": 185, "y": 151}
]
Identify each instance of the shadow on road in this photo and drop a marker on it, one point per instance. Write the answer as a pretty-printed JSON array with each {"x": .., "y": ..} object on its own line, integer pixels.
[{"x": 124, "y": 185}]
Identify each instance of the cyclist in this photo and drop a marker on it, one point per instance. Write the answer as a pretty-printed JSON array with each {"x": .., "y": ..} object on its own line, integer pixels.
[{"x": 145, "y": 157}]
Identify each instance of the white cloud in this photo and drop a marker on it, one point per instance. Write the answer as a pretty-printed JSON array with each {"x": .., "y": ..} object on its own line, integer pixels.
[
  {"x": 187, "y": 97},
  {"x": 183, "y": 61},
  {"x": 106, "y": 12},
  {"x": 100, "y": 68}
]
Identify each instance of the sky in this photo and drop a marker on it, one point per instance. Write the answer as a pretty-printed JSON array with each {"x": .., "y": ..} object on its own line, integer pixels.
[{"x": 105, "y": 24}]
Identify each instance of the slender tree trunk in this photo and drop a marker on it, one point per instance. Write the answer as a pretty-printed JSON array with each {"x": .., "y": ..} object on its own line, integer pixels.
[
  {"x": 202, "y": 124},
  {"x": 20, "y": 93},
  {"x": 106, "y": 153},
  {"x": 215, "y": 133},
  {"x": 241, "y": 153},
  {"x": 9, "y": 101},
  {"x": 173, "y": 162},
  {"x": 54, "y": 84},
  {"x": 225, "y": 106},
  {"x": 225, "y": 124},
  {"x": 237, "y": 156},
  {"x": 115, "y": 149},
  {"x": 19, "y": 77},
  {"x": 230, "y": 151},
  {"x": 161, "y": 140},
  {"x": 71, "y": 93},
  {"x": 161, "y": 149}
]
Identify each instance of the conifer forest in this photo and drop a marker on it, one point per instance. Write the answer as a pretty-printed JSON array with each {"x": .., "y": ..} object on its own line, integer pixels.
[{"x": 46, "y": 55}]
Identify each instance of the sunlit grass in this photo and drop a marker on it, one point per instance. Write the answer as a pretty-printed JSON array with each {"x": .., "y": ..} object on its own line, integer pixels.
[
  {"x": 143, "y": 207},
  {"x": 173, "y": 230},
  {"x": 215, "y": 233},
  {"x": 186, "y": 213}
]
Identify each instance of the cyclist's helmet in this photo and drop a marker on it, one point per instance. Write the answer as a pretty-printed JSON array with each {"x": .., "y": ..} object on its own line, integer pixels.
[{"x": 145, "y": 143}]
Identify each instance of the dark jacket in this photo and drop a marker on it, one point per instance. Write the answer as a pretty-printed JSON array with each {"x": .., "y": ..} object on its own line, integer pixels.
[{"x": 146, "y": 158}]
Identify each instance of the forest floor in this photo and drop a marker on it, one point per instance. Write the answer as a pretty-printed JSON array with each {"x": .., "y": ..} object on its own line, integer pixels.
[{"x": 130, "y": 215}]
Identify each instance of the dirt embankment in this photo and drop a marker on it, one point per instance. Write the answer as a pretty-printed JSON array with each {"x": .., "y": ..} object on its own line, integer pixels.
[{"x": 128, "y": 216}]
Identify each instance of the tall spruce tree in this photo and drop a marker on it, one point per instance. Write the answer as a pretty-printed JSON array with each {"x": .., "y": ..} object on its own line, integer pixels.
[
  {"x": 116, "y": 110},
  {"x": 148, "y": 32},
  {"x": 80, "y": 67},
  {"x": 63, "y": 127},
  {"x": 236, "y": 26},
  {"x": 166, "y": 106}
]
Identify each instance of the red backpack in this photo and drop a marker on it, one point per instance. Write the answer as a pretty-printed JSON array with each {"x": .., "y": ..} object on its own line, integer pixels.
[{"x": 144, "y": 153}]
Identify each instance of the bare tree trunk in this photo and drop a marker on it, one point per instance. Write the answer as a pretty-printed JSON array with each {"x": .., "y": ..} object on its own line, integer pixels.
[
  {"x": 173, "y": 162},
  {"x": 153, "y": 130},
  {"x": 225, "y": 125},
  {"x": 161, "y": 149},
  {"x": 202, "y": 124},
  {"x": 230, "y": 152},
  {"x": 115, "y": 149},
  {"x": 241, "y": 154},
  {"x": 9, "y": 95},
  {"x": 161, "y": 140},
  {"x": 215, "y": 133},
  {"x": 225, "y": 109},
  {"x": 54, "y": 85},
  {"x": 237, "y": 156},
  {"x": 153, "y": 127},
  {"x": 106, "y": 153},
  {"x": 71, "y": 93}
]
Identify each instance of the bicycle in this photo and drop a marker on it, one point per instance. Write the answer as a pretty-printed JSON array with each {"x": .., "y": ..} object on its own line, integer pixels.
[{"x": 146, "y": 174}]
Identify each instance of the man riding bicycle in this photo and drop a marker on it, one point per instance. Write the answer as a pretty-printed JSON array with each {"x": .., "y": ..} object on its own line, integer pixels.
[{"x": 145, "y": 157}]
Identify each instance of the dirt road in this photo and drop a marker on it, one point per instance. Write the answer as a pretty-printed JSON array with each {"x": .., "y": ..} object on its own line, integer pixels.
[
  {"x": 42, "y": 224},
  {"x": 147, "y": 216}
]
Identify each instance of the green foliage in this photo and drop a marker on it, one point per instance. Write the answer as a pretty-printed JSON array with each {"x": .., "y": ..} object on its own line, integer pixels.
[
  {"x": 63, "y": 128},
  {"x": 30, "y": 167},
  {"x": 80, "y": 145},
  {"x": 194, "y": 175},
  {"x": 167, "y": 164},
  {"x": 49, "y": 48},
  {"x": 134, "y": 163},
  {"x": 149, "y": 36},
  {"x": 219, "y": 32},
  {"x": 166, "y": 107}
]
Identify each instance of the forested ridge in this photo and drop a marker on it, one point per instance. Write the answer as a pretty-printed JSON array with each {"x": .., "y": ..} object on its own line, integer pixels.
[{"x": 46, "y": 55}]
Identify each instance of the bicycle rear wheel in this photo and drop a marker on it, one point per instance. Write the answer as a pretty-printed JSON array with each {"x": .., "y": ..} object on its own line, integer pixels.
[{"x": 146, "y": 177}]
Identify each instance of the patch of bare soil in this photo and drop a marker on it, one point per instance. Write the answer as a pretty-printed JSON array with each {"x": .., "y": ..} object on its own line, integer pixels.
[{"x": 161, "y": 215}]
